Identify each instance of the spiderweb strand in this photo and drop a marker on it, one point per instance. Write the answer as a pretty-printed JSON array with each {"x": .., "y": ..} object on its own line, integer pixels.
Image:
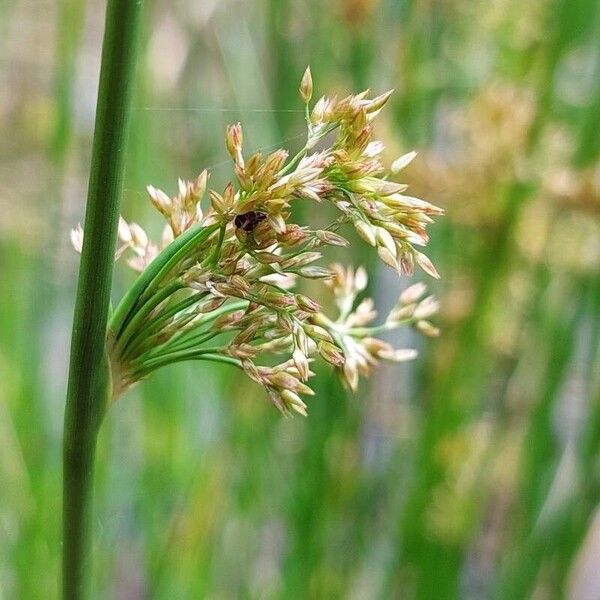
[{"x": 215, "y": 110}]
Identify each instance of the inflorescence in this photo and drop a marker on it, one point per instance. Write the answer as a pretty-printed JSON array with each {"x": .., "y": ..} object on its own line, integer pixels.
[{"x": 221, "y": 284}]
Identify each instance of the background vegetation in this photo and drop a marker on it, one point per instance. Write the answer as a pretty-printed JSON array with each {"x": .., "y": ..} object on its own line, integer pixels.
[{"x": 470, "y": 473}]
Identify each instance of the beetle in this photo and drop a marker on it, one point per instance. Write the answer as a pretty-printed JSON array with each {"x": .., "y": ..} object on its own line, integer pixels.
[{"x": 248, "y": 221}]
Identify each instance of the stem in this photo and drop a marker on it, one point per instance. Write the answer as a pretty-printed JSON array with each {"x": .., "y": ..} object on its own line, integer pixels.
[
  {"x": 140, "y": 344},
  {"x": 89, "y": 382},
  {"x": 207, "y": 354},
  {"x": 131, "y": 329},
  {"x": 193, "y": 341},
  {"x": 149, "y": 280}
]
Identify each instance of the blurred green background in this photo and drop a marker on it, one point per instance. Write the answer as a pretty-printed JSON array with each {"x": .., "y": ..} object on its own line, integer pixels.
[{"x": 472, "y": 472}]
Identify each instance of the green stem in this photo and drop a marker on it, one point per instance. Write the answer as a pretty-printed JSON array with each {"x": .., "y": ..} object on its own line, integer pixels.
[
  {"x": 145, "y": 285},
  {"x": 312, "y": 141},
  {"x": 153, "y": 329},
  {"x": 208, "y": 318},
  {"x": 89, "y": 382},
  {"x": 131, "y": 329},
  {"x": 214, "y": 257},
  {"x": 196, "y": 340},
  {"x": 207, "y": 354}
]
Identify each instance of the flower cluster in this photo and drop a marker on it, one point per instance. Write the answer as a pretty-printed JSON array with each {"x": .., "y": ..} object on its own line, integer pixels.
[{"x": 222, "y": 283}]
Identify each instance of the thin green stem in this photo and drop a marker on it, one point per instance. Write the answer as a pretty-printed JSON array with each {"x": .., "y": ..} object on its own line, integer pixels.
[
  {"x": 214, "y": 257},
  {"x": 89, "y": 382},
  {"x": 192, "y": 341},
  {"x": 130, "y": 331},
  {"x": 149, "y": 280},
  {"x": 311, "y": 142},
  {"x": 153, "y": 329},
  {"x": 202, "y": 321},
  {"x": 197, "y": 354}
]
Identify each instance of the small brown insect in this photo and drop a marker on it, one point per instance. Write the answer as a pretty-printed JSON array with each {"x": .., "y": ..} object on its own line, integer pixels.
[{"x": 248, "y": 221}]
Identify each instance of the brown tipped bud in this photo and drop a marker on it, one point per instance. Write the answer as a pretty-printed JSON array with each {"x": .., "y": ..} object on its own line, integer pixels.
[
  {"x": 275, "y": 160},
  {"x": 317, "y": 332},
  {"x": 238, "y": 282},
  {"x": 278, "y": 300},
  {"x": 407, "y": 263},
  {"x": 161, "y": 201},
  {"x": 425, "y": 264},
  {"x": 217, "y": 202},
  {"x": 253, "y": 164},
  {"x": 233, "y": 140},
  {"x": 277, "y": 222},
  {"x": 243, "y": 351},
  {"x": 389, "y": 188},
  {"x": 293, "y": 236},
  {"x": 331, "y": 354},
  {"x": 301, "y": 363},
  {"x": 252, "y": 372},
  {"x": 285, "y": 322},
  {"x": 306, "y": 86},
  {"x": 281, "y": 379},
  {"x": 228, "y": 320},
  {"x": 307, "y": 303},
  {"x": 387, "y": 257},
  {"x": 211, "y": 305},
  {"x": 294, "y": 402},
  {"x": 301, "y": 260},
  {"x": 228, "y": 195},
  {"x": 385, "y": 239},
  {"x": 266, "y": 258},
  {"x": 330, "y": 238},
  {"x": 378, "y": 102},
  {"x": 312, "y": 272},
  {"x": 365, "y": 231},
  {"x": 201, "y": 183}
]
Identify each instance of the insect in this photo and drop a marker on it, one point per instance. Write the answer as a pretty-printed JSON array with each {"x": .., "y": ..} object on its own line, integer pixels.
[{"x": 248, "y": 221}]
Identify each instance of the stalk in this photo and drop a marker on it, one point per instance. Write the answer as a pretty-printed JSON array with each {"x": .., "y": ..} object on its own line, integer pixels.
[{"x": 89, "y": 373}]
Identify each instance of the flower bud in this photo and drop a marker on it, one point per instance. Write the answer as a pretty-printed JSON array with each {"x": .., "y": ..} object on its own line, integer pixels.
[
  {"x": 301, "y": 363},
  {"x": 294, "y": 402},
  {"x": 365, "y": 231},
  {"x": 160, "y": 200},
  {"x": 330, "y": 238},
  {"x": 308, "y": 304},
  {"x": 412, "y": 293},
  {"x": 331, "y": 354},
  {"x": 306, "y": 86},
  {"x": 233, "y": 141},
  {"x": 385, "y": 239},
  {"x": 426, "y": 328},
  {"x": 402, "y": 162},
  {"x": 401, "y": 355},
  {"x": 387, "y": 257},
  {"x": 312, "y": 272},
  {"x": 426, "y": 264},
  {"x": 427, "y": 308}
]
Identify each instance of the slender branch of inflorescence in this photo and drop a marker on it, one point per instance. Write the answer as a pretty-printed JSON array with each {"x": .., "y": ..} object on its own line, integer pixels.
[{"x": 230, "y": 269}]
